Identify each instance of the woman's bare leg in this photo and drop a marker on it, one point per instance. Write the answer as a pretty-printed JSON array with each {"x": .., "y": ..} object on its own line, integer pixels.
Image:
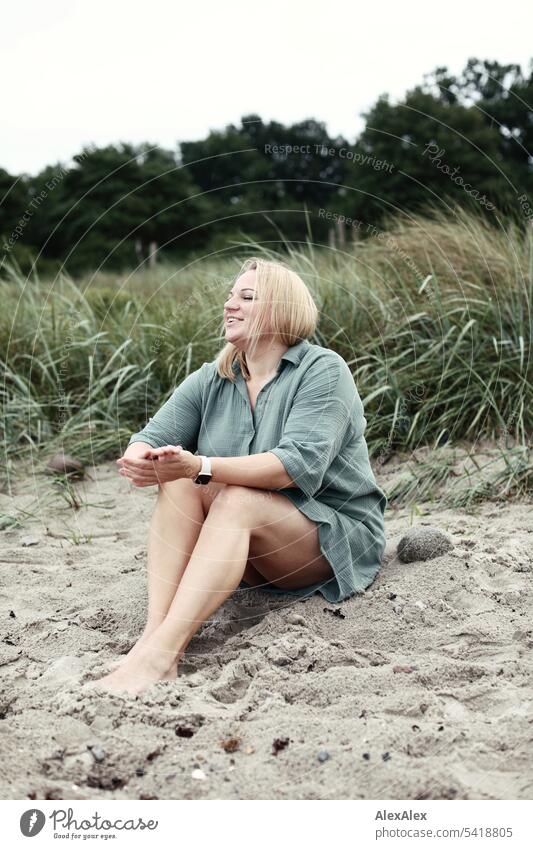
[
  {"x": 214, "y": 571},
  {"x": 218, "y": 563},
  {"x": 175, "y": 526}
]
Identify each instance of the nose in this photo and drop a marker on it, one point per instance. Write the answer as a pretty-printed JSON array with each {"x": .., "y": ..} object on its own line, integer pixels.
[{"x": 228, "y": 304}]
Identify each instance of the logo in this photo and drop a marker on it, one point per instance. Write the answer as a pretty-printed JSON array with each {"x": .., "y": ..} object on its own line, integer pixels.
[{"x": 32, "y": 822}]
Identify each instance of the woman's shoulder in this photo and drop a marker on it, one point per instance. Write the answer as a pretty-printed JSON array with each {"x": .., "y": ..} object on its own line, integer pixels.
[{"x": 320, "y": 358}]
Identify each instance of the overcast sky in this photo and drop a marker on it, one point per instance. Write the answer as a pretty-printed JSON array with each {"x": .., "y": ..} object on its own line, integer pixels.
[{"x": 104, "y": 71}]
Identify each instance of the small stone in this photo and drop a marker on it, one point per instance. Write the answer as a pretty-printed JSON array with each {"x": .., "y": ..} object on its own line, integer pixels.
[
  {"x": 423, "y": 543},
  {"x": 296, "y": 619},
  {"x": 31, "y": 540},
  {"x": 65, "y": 464},
  {"x": 335, "y": 612},
  {"x": 279, "y": 744},
  {"x": 97, "y": 753},
  {"x": 403, "y": 668},
  {"x": 184, "y": 731},
  {"x": 231, "y": 744},
  {"x": 323, "y": 755},
  {"x": 385, "y": 756},
  {"x": 366, "y": 756},
  {"x": 140, "y": 771},
  {"x": 198, "y": 775}
]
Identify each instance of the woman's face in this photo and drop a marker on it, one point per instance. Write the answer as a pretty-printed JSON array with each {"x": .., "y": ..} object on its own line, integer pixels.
[{"x": 240, "y": 307}]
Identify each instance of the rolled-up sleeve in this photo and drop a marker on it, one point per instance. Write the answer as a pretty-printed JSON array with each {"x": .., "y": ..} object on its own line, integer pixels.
[
  {"x": 325, "y": 410},
  {"x": 178, "y": 421}
]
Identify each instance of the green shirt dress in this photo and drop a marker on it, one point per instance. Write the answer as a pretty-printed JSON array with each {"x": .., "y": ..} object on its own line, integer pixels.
[{"x": 309, "y": 415}]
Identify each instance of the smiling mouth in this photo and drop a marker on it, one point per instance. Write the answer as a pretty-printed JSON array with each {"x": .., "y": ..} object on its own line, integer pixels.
[{"x": 233, "y": 320}]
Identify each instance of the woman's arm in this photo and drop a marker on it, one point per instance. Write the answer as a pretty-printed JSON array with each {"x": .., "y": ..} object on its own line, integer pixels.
[
  {"x": 138, "y": 450},
  {"x": 179, "y": 419},
  {"x": 262, "y": 471}
]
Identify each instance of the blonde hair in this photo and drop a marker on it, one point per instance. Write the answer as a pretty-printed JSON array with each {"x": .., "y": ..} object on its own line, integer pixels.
[{"x": 285, "y": 308}]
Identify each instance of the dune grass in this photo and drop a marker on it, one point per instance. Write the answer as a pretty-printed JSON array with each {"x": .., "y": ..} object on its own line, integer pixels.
[{"x": 433, "y": 317}]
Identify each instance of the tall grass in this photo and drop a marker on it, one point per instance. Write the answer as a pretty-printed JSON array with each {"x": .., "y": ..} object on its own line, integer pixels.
[{"x": 433, "y": 317}]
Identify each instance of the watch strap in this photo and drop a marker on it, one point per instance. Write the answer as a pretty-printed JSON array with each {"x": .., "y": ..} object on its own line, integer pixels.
[{"x": 204, "y": 475}]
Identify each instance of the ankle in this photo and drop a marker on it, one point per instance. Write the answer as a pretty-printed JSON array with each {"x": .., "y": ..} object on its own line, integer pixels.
[{"x": 150, "y": 627}]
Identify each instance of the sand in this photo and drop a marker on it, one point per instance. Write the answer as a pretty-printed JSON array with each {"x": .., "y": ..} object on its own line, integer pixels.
[{"x": 277, "y": 698}]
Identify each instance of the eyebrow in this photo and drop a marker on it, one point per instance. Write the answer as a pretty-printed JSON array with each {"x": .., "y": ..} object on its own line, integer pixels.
[{"x": 246, "y": 289}]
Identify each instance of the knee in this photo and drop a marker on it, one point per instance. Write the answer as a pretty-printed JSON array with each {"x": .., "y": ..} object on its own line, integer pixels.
[
  {"x": 181, "y": 494},
  {"x": 240, "y": 503},
  {"x": 182, "y": 485}
]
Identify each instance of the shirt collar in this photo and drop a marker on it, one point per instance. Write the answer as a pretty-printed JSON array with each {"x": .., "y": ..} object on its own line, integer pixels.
[{"x": 294, "y": 354}]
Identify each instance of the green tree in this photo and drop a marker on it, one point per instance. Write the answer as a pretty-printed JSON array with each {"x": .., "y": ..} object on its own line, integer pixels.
[{"x": 264, "y": 177}]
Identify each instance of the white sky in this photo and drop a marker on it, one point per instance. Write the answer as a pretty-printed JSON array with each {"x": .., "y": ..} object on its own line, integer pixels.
[{"x": 105, "y": 71}]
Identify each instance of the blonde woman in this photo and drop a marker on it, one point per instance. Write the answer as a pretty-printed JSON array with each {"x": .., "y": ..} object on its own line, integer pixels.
[{"x": 262, "y": 471}]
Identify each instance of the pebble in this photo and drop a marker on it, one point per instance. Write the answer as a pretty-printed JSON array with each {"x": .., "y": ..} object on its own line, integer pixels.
[
  {"x": 65, "y": 464},
  {"x": 26, "y": 541},
  {"x": 296, "y": 619},
  {"x": 423, "y": 543},
  {"x": 198, "y": 775},
  {"x": 97, "y": 753},
  {"x": 323, "y": 755}
]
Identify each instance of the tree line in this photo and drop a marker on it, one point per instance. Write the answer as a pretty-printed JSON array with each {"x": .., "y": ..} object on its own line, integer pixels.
[{"x": 463, "y": 139}]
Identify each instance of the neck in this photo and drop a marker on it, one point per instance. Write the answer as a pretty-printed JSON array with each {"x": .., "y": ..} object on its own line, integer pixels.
[{"x": 264, "y": 361}]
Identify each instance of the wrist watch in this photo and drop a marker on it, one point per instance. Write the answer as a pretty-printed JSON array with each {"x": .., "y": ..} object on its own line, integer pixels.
[{"x": 205, "y": 474}]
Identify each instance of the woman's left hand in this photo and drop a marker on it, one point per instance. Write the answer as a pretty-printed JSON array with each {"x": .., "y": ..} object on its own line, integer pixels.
[{"x": 168, "y": 463}]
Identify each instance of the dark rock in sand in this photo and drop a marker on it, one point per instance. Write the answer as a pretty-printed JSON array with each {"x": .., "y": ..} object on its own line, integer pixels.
[
  {"x": 65, "y": 464},
  {"x": 423, "y": 544}
]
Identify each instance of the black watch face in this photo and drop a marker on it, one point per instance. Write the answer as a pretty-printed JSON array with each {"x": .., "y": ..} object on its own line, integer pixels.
[{"x": 203, "y": 478}]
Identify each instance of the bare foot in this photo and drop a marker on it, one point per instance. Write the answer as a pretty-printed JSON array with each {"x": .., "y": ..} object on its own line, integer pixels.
[
  {"x": 134, "y": 675},
  {"x": 133, "y": 652}
]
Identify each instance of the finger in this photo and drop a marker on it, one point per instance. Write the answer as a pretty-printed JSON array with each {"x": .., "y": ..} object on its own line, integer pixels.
[
  {"x": 142, "y": 475},
  {"x": 137, "y": 481},
  {"x": 138, "y": 465}
]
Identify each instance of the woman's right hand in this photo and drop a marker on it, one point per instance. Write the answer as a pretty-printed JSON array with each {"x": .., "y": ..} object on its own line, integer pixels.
[
  {"x": 164, "y": 453},
  {"x": 150, "y": 466}
]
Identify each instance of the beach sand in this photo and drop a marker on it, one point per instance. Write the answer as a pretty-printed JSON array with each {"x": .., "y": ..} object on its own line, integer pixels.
[{"x": 276, "y": 698}]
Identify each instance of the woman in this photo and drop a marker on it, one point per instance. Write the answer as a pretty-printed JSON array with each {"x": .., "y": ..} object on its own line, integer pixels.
[{"x": 280, "y": 494}]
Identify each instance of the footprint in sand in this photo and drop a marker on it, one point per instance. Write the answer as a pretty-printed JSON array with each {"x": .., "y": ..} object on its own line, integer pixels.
[{"x": 233, "y": 684}]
